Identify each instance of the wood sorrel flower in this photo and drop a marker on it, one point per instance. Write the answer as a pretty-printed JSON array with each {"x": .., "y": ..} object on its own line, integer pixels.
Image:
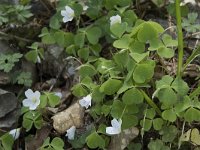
[
  {"x": 116, "y": 127},
  {"x": 68, "y": 14},
  {"x": 86, "y": 101},
  {"x": 32, "y": 99},
  {"x": 59, "y": 94},
  {"x": 15, "y": 133},
  {"x": 71, "y": 132},
  {"x": 115, "y": 19}
]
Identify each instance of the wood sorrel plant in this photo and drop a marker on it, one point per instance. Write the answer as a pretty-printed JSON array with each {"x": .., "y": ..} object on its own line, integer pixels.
[
  {"x": 118, "y": 55},
  {"x": 120, "y": 83}
]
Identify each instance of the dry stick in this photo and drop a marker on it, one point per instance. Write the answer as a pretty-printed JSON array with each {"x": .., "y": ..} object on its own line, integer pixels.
[
  {"x": 179, "y": 145},
  {"x": 193, "y": 34},
  {"x": 59, "y": 74},
  {"x": 15, "y": 37}
]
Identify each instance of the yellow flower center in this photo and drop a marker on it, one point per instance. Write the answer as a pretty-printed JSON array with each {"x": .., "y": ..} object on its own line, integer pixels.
[{"x": 34, "y": 99}]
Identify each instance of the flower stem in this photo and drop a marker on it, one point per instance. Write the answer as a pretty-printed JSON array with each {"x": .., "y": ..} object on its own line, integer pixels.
[
  {"x": 123, "y": 111},
  {"x": 151, "y": 103},
  {"x": 180, "y": 39}
]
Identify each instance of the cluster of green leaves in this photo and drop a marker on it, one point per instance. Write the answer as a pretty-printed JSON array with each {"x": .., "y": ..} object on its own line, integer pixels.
[
  {"x": 14, "y": 13},
  {"x": 6, "y": 142},
  {"x": 22, "y": 78},
  {"x": 190, "y": 23},
  {"x": 119, "y": 82},
  {"x": 35, "y": 54},
  {"x": 55, "y": 144},
  {"x": 123, "y": 75},
  {"x": 7, "y": 61},
  {"x": 34, "y": 118}
]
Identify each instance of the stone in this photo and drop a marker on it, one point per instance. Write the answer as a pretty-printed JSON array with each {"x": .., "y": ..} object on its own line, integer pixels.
[
  {"x": 9, "y": 109},
  {"x": 8, "y": 102},
  {"x": 72, "y": 116},
  {"x": 121, "y": 141}
]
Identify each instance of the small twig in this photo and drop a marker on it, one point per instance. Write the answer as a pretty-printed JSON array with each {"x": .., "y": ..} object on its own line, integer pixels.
[
  {"x": 169, "y": 28},
  {"x": 3, "y": 130},
  {"x": 15, "y": 37},
  {"x": 45, "y": 5},
  {"x": 179, "y": 145},
  {"x": 59, "y": 74},
  {"x": 71, "y": 57},
  {"x": 191, "y": 35}
]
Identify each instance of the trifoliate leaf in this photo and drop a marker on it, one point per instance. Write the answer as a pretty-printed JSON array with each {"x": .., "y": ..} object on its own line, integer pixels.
[
  {"x": 147, "y": 33},
  {"x": 195, "y": 136},
  {"x": 143, "y": 72},
  {"x": 117, "y": 109},
  {"x": 32, "y": 56},
  {"x": 123, "y": 42},
  {"x": 137, "y": 47},
  {"x": 93, "y": 34},
  {"x": 150, "y": 113},
  {"x": 111, "y": 86},
  {"x": 79, "y": 39},
  {"x": 94, "y": 141},
  {"x": 83, "y": 53},
  {"x": 129, "y": 121},
  {"x": 180, "y": 86},
  {"x": 168, "y": 41},
  {"x": 146, "y": 124},
  {"x": 192, "y": 114},
  {"x": 158, "y": 123},
  {"x": 78, "y": 90},
  {"x": 57, "y": 143},
  {"x": 87, "y": 70},
  {"x": 139, "y": 57},
  {"x": 167, "y": 96},
  {"x": 165, "y": 52},
  {"x": 118, "y": 29},
  {"x": 132, "y": 96},
  {"x": 169, "y": 115}
]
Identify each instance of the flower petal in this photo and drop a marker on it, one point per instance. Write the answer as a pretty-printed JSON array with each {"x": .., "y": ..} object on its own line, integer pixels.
[
  {"x": 15, "y": 133},
  {"x": 69, "y": 10},
  {"x": 27, "y": 102},
  {"x": 37, "y": 94},
  {"x": 112, "y": 131},
  {"x": 33, "y": 106},
  {"x": 85, "y": 101},
  {"x": 63, "y": 13},
  {"x": 71, "y": 132},
  {"x": 65, "y": 19},
  {"x": 59, "y": 94},
  {"x": 115, "y": 123},
  {"x": 115, "y": 19},
  {"x": 29, "y": 93}
]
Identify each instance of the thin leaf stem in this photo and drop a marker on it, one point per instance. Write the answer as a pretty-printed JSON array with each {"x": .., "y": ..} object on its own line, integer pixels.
[
  {"x": 151, "y": 103},
  {"x": 180, "y": 39}
]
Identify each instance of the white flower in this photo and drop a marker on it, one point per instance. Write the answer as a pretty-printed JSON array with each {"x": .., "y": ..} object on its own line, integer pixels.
[
  {"x": 15, "y": 133},
  {"x": 68, "y": 14},
  {"x": 32, "y": 99},
  {"x": 59, "y": 94},
  {"x": 71, "y": 132},
  {"x": 38, "y": 60},
  {"x": 193, "y": 2},
  {"x": 86, "y": 101},
  {"x": 85, "y": 7},
  {"x": 116, "y": 127},
  {"x": 115, "y": 19}
]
